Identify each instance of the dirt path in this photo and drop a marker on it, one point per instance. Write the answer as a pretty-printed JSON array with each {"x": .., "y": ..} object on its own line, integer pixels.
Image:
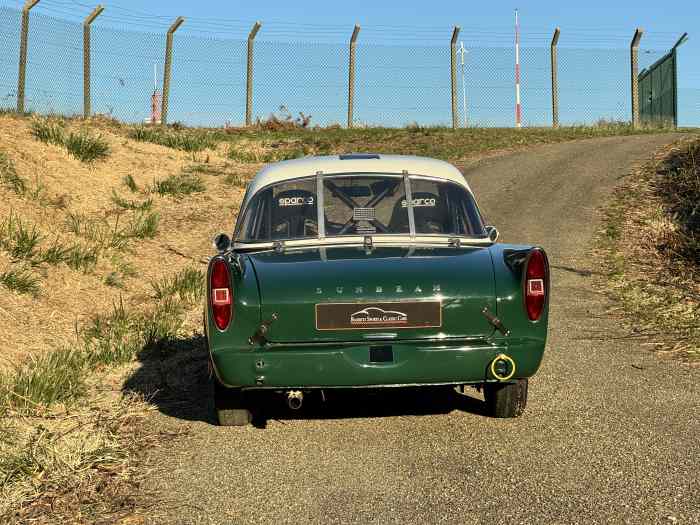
[{"x": 610, "y": 433}]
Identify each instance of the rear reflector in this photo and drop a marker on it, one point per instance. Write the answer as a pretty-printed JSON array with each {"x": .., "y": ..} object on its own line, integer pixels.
[
  {"x": 536, "y": 283},
  {"x": 221, "y": 294}
]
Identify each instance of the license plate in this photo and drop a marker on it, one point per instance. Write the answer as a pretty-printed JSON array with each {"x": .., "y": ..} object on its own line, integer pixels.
[{"x": 364, "y": 316}]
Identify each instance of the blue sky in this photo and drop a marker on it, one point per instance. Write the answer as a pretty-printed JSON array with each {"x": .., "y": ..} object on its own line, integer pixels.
[{"x": 402, "y": 35}]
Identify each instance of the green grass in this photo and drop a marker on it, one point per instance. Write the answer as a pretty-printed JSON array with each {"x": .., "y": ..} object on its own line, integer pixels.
[
  {"x": 178, "y": 185},
  {"x": 9, "y": 177},
  {"x": 82, "y": 258},
  {"x": 131, "y": 183},
  {"x": 186, "y": 285},
  {"x": 191, "y": 140},
  {"x": 21, "y": 281},
  {"x": 267, "y": 151},
  {"x": 121, "y": 335},
  {"x": 49, "y": 131},
  {"x": 127, "y": 204},
  {"x": 204, "y": 168},
  {"x": 75, "y": 256},
  {"x": 117, "y": 234},
  {"x": 44, "y": 380},
  {"x": 237, "y": 181},
  {"x": 256, "y": 145},
  {"x": 22, "y": 242},
  {"x": 143, "y": 225},
  {"x": 19, "y": 240},
  {"x": 86, "y": 148},
  {"x": 98, "y": 231},
  {"x": 114, "y": 280},
  {"x": 82, "y": 146}
]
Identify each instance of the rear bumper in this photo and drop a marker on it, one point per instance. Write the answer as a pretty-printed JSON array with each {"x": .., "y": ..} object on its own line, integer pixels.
[{"x": 350, "y": 366}]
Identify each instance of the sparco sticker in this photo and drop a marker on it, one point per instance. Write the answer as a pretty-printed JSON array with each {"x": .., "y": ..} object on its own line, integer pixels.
[
  {"x": 296, "y": 201},
  {"x": 420, "y": 203}
]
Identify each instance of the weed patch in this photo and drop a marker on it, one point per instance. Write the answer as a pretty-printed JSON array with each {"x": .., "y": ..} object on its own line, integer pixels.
[
  {"x": 49, "y": 131},
  {"x": 131, "y": 183},
  {"x": 178, "y": 185},
  {"x": 20, "y": 280},
  {"x": 82, "y": 146},
  {"x": 86, "y": 148},
  {"x": 237, "y": 181},
  {"x": 265, "y": 151},
  {"x": 205, "y": 169},
  {"x": 44, "y": 380},
  {"x": 19, "y": 240},
  {"x": 126, "y": 204},
  {"x": 186, "y": 140},
  {"x": 114, "y": 235},
  {"x": 9, "y": 177},
  {"x": 186, "y": 285}
]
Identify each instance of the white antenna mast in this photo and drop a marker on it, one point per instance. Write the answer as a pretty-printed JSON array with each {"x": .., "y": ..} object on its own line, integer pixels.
[{"x": 155, "y": 77}]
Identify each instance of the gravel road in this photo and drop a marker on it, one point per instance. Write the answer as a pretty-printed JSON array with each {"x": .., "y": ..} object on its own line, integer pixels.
[{"x": 611, "y": 432}]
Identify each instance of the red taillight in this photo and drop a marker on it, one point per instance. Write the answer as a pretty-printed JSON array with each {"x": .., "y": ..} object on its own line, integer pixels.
[
  {"x": 536, "y": 283},
  {"x": 221, "y": 294}
]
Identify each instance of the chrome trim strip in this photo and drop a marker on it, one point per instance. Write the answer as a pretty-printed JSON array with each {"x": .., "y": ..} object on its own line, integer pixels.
[{"x": 377, "y": 240}]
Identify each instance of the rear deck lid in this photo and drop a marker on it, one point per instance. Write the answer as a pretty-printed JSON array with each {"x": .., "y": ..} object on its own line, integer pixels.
[{"x": 347, "y": 294}]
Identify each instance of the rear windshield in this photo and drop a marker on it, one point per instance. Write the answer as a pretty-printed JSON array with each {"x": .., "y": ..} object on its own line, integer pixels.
[{"x": 359, "y": 204}]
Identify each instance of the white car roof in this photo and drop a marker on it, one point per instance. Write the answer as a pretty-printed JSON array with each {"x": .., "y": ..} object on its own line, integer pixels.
[{"x": 355, "y": 163}]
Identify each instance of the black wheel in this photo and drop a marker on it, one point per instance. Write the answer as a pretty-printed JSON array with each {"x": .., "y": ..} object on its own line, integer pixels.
[
  {"x": 506, "y": 399},
  {"x": 230, "y": 406}
]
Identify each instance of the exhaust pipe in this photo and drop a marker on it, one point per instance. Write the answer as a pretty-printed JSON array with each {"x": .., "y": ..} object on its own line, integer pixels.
[{"x": 295, "y": 398}]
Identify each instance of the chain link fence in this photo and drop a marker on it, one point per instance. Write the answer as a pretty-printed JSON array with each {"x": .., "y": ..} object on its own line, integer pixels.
[{"x": 394, "y": 85}]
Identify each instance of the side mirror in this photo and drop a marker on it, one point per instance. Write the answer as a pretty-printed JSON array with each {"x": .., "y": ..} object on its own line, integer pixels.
[
  {"x": 492, "y": 232},
  {"x": 222, "y": 242}
]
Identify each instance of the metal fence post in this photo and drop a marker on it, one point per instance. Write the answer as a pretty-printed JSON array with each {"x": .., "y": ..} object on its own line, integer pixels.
[
  {"x": 249, "y": 75},
  {"x": 555, "y": 80},
  {"x": 453, "y": 76},
  {"x": 167, "y": 69},
  {"x": 634, "y": 66},
  {"x": 351, "y": 76},
  {"x": 674, "y": 50},
  {"x": 87, "y": 107},
  {"x": 24, "y": 37}
]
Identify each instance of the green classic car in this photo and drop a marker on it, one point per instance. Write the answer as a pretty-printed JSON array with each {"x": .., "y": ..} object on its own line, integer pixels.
[{"x": 365, "y": 270}]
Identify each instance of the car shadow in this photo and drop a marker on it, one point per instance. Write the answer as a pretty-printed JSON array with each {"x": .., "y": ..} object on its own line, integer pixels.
[{"x": 174, "y": 376}]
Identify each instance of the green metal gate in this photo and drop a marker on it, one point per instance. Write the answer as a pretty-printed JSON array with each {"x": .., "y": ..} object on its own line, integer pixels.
[{"x": 658, "y": 90}]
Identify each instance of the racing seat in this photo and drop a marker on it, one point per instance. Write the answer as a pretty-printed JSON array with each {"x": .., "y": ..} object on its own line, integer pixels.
[
  {"x": 293, "y": 212},
  {"x": 431, "y": 215}
]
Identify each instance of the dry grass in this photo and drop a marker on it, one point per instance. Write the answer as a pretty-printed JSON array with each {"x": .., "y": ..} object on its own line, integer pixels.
[
  {"x": 652, "y": 252},
  {"x": 76, "y": 467}
]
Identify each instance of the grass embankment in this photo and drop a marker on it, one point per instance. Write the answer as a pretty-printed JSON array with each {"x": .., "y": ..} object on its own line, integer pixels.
[
  {"x": 68, "y": 447},
  {"x": 651, "y": 245},
  {"x": 262, "y": 144},
  {"x": 104, "y": 232}
]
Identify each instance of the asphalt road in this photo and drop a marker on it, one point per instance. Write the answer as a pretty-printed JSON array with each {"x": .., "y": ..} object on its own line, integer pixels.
[{"x": 611, "y": 432}]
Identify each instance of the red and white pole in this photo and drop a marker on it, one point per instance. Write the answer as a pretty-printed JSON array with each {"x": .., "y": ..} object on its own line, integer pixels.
[{"x": 518, "y": 108}]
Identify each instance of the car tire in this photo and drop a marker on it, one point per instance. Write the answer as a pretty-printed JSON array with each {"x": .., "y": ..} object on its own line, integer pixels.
[
  {"x": 230, "y": 406},
  {"x": 506, "y": 400}
]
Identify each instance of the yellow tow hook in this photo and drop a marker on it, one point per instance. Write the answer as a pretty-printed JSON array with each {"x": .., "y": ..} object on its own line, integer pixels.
[{"x": 503, "y": 367}]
